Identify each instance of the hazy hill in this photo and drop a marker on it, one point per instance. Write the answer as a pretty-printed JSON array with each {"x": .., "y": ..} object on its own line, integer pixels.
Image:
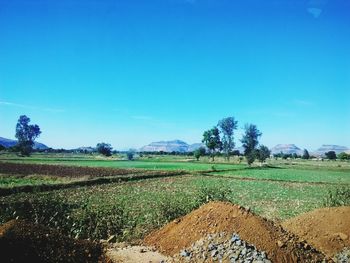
[
  {"x": 195, "y": 146},
  {"x": 330, "y": 147},
  {"x": 9, "y": 143},
  {"x": 170, "y": 146},
  {"x": 287, "y": 149}
]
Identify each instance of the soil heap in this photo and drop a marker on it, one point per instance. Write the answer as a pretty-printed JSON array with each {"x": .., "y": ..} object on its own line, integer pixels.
[
  {"x": 21, "y": 241},
  {"x": 216, "y": 217},
  {"x": 327, "y": 229}
]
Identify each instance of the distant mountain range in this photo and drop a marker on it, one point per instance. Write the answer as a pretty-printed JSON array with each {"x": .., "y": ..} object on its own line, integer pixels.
[
  {"x": 292, "y": 148},
  {"x": 286, "y": 149},
  {"x": 181, "y": 146},
  {"x": 9, "y": 143},
  {"x": 330, "y": 147},
  {"x": 171, "y": 146}
]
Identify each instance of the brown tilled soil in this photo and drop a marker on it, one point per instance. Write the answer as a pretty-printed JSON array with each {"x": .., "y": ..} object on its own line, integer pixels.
[
  {"x": 216, "y": 217},
  {"x": 62, "y": 170},
  {"x": 21, "y": 241},
  {"x": 327, "y": 229}
]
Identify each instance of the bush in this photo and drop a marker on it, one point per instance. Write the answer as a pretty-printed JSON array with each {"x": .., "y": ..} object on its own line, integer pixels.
[
  {"x": 49, "y": 211},
  {"x": 209, "y": 193},
  {"x": 339, "y": 197},
  {"x": 169, "y": 209},
  {"x": 89, "y": 221},
  {"x": 343, "y": 156},
  {"x": 100, "y": 221}
]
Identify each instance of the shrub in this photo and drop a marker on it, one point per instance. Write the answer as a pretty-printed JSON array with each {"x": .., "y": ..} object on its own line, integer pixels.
[
  {"x": 339, "y": 197},
  {"x": 130, "y": 155},
  {"x": 209, "y": 193},
  {"x": 99, "y": 221},
  {"x": 49, "y": 211}
]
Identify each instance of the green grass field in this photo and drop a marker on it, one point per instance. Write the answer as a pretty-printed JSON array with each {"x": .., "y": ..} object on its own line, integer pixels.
[
  {"x": 340, "y": 176},
  {"x": 144, "y": 164},
  {"x": 131, "y": 209},
  {"x": 7, "y": 181}
]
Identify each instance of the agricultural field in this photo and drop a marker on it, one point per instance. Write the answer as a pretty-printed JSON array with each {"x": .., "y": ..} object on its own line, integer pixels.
[
  {"x": 136, "y": 197},
  {"x": 153, "y": 163}
]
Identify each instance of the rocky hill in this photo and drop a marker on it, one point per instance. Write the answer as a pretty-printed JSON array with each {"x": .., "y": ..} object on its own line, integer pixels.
[
  {"x": 170, "y": 146},
  {"x": 286, "y": 149},
  {"x": 9, "y": 143}
]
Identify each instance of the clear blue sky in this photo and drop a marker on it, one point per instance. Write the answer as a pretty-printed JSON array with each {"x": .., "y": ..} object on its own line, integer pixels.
[{"x": 130, "y": 72}]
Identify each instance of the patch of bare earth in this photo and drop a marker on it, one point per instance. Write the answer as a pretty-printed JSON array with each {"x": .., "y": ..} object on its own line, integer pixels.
[{"x": 130, "y": 254}]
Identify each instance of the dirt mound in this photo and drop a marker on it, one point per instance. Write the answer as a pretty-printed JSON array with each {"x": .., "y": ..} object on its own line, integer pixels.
[
  {"x": 327, "y": 229},
  {"x": 216, "y": 217},
  {"x": 21, "y": 241}
]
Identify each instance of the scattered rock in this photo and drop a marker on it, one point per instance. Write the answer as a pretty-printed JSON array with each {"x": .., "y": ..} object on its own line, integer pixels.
[
  {"x": 219, "y": 247},
  {"x": 343, "y": 256}
]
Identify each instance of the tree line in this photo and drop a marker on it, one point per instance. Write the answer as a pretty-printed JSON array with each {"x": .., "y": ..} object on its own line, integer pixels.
[{"x": 220, "y": 138}]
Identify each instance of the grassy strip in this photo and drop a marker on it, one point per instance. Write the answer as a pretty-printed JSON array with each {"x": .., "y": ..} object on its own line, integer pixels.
[
  {"x": 138, "y": 164},
  {"x": 290, "y": 175},
  {"x": 4, "y": 191}
]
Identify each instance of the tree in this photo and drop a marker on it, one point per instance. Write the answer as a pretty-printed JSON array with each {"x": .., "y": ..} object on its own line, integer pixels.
[
  {"x": 263, "y": 153},
  {"x": 250, "y": 141},
  {"x": 306, "y": 155},
  {"x": 199, "y": 152},
  {"x": 130, "y": 155},
  {"x": 331, "y": 155},
  {"x": 211, "y": 138},
  {"x": 227, "y": 127},
  {"x": 343, "y": 156},
  {"x": 26, "y": 135},
  {"x": 104, "y": 148}
]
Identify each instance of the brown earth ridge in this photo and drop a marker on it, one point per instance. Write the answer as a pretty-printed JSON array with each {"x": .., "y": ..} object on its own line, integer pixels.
[{"x": 216, "y": 217}]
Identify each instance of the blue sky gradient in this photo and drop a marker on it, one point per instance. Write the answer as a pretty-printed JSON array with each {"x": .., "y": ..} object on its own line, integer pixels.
[{"x": 132, "y": 72}]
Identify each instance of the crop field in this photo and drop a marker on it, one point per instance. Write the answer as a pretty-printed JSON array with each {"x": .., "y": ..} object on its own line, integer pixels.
[
  {"x": 158, "y": 192},
  {"x": 144, "y": 164}
]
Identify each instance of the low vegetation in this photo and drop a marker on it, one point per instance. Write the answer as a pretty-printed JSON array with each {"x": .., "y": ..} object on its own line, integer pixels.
[
  {"x": 338, "y": 197},
  {"x": 281, "y": 189}
]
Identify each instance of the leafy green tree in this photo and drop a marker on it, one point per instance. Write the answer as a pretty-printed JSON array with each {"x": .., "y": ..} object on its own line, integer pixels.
[
  {"x": 331, "y": 155},
  {"x": 130, "y": 155},
  {"x": 263, "y": 153},
  {"x": 306, "y": 155},
  {"x": 104, "y": 149},
  {"x": 250, "y": 141},
  {"x": 211, "y": 138},
  {"x": 343, "y": 156},
  {"x": 26, "y": 135},
  {"x": 227, "y": 127},
  {"x": 199, "y": 152}
]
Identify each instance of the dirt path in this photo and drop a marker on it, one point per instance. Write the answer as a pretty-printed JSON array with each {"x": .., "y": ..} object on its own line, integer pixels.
[{"x": 132, "y": 254}]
